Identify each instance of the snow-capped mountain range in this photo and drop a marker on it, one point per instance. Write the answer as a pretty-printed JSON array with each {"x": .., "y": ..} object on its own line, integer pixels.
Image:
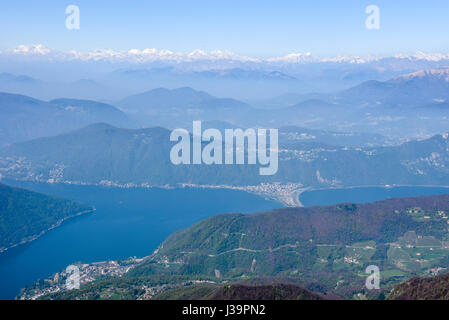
[{"x": 152, "y": 55}]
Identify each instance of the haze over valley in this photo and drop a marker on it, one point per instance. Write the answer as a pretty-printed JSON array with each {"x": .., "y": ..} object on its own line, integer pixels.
[{"x": 224, "y": 151}]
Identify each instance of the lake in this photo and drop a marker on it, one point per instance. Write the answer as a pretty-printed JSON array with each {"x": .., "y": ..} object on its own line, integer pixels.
[
  {"x": 127, "y": 222},
  {"x": 133, "y": 222},
  {"x": 365, "y": 194}
]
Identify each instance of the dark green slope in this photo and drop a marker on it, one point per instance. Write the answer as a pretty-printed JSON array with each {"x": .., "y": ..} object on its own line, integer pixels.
[
  {"x": 101, "y": 152},
  {"x": 381, "y": 221},
  {"x": 24, "y": 215},
  {"x": 263, "y": 292},
  {"x": 320, "y": 245},
  {"x": 104, "y": 153},
  {"x": 239, "y": 291},
  {"x": 323, "y": 249},
  {"x": 429, "y": 288}
]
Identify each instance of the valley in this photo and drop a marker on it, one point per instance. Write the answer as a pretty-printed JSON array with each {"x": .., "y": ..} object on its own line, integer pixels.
[
  {"x": 323, "y": 249},
  {"x": 26, "y": 216},
  {"x": 357, "y": 179},
  {"x": 127, "y": 222}
]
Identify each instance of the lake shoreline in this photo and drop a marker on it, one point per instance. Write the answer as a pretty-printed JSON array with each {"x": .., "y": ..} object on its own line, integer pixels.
[
  {"x": 352, "y": 194},
  {"x": 128, "y": 222},
  {"x": 37, "y": 236},
  {"x": 295, "y": 190},
  {"x": 288, "y": 194}
]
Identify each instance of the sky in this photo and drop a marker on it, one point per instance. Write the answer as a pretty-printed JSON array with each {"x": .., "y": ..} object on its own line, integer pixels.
[{"x": 245, "y": 27}]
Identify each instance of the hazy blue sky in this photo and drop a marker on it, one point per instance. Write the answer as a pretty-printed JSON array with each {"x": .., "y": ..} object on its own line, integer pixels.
[{"x": 257, "y": 28}]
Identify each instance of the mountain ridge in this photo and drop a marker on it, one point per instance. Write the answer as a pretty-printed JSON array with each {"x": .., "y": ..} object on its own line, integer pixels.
[
  {"x": 102, "y": 153},
  {"x": 26, "y": 215},
  {"x": 324, "y": 249},
  {"x": 23, "y": 117}
]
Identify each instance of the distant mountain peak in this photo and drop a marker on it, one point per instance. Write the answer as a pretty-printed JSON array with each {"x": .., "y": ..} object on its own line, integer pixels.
[
  {"x": 181, "y": 90},
  {"x": 437, "y": 74},
  {"x": 99, "y": 126},
  {"x": 6, "y": 76},
  {"x": 311, "y": 103},
  {"x": 162, "y": 55}
]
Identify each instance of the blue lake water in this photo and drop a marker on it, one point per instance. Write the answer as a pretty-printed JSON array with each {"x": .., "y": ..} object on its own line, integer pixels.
[
  {"x": 127, "y": 222},
  {"x": 365, "y": 194},
  {"x": 133, "y": 222}
]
